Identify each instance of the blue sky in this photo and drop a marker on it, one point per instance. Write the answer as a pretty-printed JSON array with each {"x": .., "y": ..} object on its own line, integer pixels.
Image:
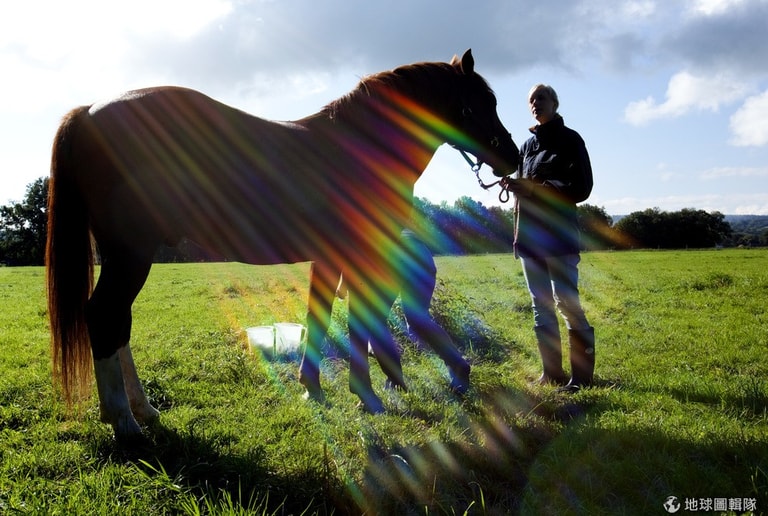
[{"x": 670, "y": 96}]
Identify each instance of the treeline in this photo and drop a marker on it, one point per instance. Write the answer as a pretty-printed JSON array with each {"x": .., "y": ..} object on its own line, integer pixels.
[
  {"x": 464, "y": 227},
  {"x": 23, "y": 227},
  {"x": 468, "y": 227},
  {"x": 687, "y": 228}
]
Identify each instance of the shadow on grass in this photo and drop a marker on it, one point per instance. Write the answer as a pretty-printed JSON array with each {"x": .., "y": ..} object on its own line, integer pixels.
[
  {"x": 743, "y": 397},
  {"x": 202, "y": 468},
  {"x": 484, "y": 471},
  {"x": 634, "y": 470}
]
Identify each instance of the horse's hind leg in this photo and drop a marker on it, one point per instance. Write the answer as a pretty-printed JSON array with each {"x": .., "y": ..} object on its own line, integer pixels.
[
  {"x": 109, "y": 326},
  {"x": 142, "y": 410}
]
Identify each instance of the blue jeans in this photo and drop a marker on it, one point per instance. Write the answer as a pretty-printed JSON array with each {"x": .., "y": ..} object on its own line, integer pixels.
[{"x": 553, "y": 284}]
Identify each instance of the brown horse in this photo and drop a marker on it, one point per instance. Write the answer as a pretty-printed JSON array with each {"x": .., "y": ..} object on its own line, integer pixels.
[{"x": 155, "y": 165}]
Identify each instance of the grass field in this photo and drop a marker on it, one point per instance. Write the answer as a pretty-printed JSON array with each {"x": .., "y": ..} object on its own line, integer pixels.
[{"x": 680, "y": 409}]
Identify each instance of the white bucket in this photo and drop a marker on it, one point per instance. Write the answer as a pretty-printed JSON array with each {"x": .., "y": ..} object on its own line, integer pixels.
[
  {"x": 288, "y": 337},
  {"x": 261, "y": 338}
]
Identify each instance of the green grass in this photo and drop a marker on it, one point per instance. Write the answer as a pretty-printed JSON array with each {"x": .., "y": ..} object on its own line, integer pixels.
[{"x": 681, "y": 405}]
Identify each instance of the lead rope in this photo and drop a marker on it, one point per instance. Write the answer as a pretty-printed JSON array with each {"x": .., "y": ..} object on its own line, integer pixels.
[{"x": 503, "y": 194}]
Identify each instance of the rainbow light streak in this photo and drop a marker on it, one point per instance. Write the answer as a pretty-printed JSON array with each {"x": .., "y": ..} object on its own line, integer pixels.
[
  {"x": 189, "y": 145},
  {"x": 422, "y": 124}
]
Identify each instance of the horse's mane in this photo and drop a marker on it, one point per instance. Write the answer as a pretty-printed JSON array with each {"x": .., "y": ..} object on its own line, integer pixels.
[{"x": 416, "y": 81}]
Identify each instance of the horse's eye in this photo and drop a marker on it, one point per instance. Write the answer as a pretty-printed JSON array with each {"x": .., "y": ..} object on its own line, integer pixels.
[{"x": 466, "y": 111}]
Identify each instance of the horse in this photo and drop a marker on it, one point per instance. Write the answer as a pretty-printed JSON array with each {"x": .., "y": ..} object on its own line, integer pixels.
[{"x": 155, "y": 165}]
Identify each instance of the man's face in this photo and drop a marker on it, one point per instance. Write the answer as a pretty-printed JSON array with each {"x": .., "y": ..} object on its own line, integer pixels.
[{"x": 542, "y": 105}]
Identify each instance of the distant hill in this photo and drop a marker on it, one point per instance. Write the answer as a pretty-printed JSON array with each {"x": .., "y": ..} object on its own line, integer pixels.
[{"x": 751, "y": 224}]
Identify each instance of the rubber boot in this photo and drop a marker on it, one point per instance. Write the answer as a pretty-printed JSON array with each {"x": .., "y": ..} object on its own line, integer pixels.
[
  {"x": 582, "y": 355},
  {"x": 548, "y": 340}
]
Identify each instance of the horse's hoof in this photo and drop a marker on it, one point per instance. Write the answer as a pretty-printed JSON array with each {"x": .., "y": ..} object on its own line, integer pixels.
[
  {"x": 146, "y": 413},
  {"x": 371, "y": 404},
  {"x": 312, "y": 389},
  {"x": 123, "y": 424},
  {"x": 128, "y": 432},
  {"x": 459, "y": 379},
  {"x": 458, "y": 387},
  {"x": 315, "y": 395},
  {"x": 392, "y": 385},
  {"x": 133, "y": 442}
]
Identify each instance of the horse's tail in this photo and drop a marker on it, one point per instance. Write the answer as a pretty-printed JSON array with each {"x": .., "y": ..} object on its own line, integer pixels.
[{"x": 69, "y": 264}]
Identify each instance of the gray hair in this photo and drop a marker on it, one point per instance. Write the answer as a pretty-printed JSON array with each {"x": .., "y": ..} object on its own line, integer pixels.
[{"x": 550, "y": 91}]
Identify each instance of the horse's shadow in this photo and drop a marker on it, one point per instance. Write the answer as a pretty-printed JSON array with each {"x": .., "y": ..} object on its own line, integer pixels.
[
  {"x": 485, "y": 469},
  {"x": 491, "y": 465},
  {"x": 201, "y": 465}
]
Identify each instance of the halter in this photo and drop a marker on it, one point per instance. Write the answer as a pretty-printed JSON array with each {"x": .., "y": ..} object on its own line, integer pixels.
[
  {"x": 466, "y": 112},
  {"x": 475, "y": 166}
]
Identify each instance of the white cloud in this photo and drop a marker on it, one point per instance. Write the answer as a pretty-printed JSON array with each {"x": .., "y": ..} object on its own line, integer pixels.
[
  {"x": 179, "y": 18},
  {"x": 752, "y": 204},
  {"x": 757, "y": 208},
  {"x": 727, "y": 172},
  {"x": 749, "y": 124},
  {"x": 94, "y": 26},
  {"x": 728, "y": 204},
  {"x": 687, "y": 92},
  {"x": 638, "y": 9},
  {"x": 81, "y": 46},
  {"x": 629, "y": 204},
  {"x": 714, "y": 7}
]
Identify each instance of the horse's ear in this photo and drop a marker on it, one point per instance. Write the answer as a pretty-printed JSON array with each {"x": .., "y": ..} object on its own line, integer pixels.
[{"x": 467, "y": 63}]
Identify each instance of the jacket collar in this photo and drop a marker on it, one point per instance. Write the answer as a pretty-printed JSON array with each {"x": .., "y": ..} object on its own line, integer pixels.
[{"x": 550, "y": 127}]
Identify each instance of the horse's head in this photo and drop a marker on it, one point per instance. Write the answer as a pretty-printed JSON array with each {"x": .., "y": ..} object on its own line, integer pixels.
[{"x": 481, "y": 132}]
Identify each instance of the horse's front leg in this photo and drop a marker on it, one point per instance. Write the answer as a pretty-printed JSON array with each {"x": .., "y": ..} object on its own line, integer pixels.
[
  {"x": 387, "y": 354},
  {"x": 382, "y": 342},
  {"x": 359, "y": 370},
  {"x": 322, "y": 283},
  {"x": 142, "y": 410}
]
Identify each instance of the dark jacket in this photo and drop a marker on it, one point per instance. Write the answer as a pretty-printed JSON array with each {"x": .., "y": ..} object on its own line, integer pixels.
[{"x": 556, "y": 160}]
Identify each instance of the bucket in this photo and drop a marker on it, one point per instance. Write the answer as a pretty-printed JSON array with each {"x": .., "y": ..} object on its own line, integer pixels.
[
  {"x": 261, "y": 338},
  {"x": 288, "y": 337}
]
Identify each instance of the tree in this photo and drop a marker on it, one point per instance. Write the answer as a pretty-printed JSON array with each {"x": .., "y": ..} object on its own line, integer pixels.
[
  {"x": 697, "y": 228},
  {"x": 467, "y": 227},
  {"x": 595, "y": 227},
  {"x": 676, "y": 230},
  {"x": 23, "y": 227}
]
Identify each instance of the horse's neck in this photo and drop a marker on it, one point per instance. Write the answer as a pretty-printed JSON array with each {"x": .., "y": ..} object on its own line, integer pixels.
[
  {"x": 388, "y": 126},
  {"x": 369, "y": 152}
]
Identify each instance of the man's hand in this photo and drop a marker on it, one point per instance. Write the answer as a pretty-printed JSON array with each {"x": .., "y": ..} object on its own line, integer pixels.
[{"x": 519, "y": 187}]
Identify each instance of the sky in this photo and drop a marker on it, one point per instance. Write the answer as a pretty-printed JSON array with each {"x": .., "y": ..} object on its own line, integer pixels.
[{"x": 671, "y": 96}]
